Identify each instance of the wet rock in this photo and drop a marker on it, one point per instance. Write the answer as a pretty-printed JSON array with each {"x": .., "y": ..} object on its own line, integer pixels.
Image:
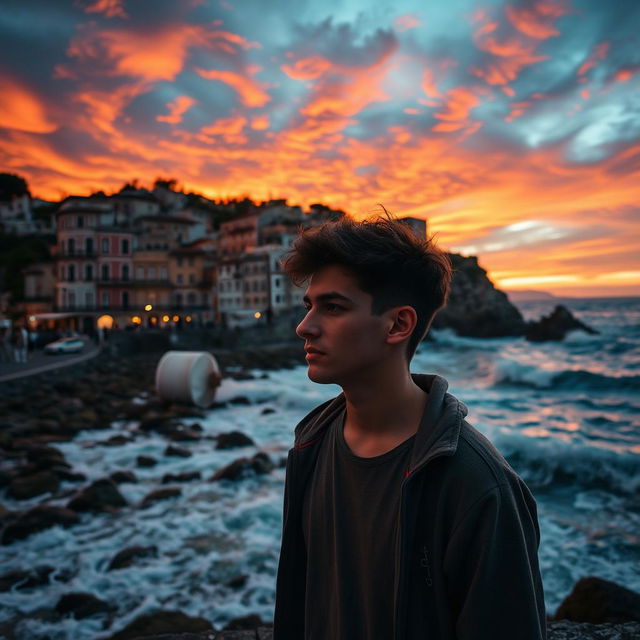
[
  {"x": 259, "y": 464},
  {"x": 146, "y": 461},
  {"x": 186, "y": 476},
  {"x": 179, "y": 452},
  {"x": 81, "y": 605},
  {"x": 160, "y": 494},
  {"x": 566, "y": 630},
  {"x": 252, "y": 621},
  {"x": 233, "y": 439},
  {"x": 240, "y": 400},
  {"x": 120, "y": 477},
  {"x": 475, "y": 307},
  {"x": 18, "y": 579},
  {"x": 555, "y": 326},
  {"x": 182, "y": 434},
  {"x": 162, "y": 623},
  {"x": 116, "y": 441},
  {"x": 36, "y": 484},
  {"x": 44, "y": 456},
  {"x": 267, "y": 411},
  {"x": 101, "y": 495},
  {"x": 597, "y": 601},
  {"x": 238, "y": 582},
  {"x": 155, "y": 421},
  {"x": 128, "y": 556},
  {"x": 37, "y": 519}
]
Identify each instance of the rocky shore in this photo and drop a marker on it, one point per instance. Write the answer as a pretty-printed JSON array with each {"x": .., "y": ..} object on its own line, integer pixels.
[{"x": 39, "y": 413}]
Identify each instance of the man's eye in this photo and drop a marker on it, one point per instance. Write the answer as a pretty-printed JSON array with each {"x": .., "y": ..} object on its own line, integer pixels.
[{"x": 333, "y": 308}]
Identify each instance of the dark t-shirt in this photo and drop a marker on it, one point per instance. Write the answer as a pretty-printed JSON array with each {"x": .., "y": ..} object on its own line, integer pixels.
[{"x": 349, "y": 523}]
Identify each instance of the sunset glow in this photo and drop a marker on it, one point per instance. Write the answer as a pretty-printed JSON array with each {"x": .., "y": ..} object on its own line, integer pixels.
[{"x": 513, "y": 127}]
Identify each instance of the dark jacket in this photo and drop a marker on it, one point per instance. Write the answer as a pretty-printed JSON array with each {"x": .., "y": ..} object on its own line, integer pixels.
[{"x": 466, "y": 552}]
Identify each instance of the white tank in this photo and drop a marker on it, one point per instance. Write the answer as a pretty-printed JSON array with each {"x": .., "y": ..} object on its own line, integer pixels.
[{"x": 188, "y": 376}]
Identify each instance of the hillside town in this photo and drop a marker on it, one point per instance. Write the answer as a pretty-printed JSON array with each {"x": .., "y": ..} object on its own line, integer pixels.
[{"x": 156, "y": 258}]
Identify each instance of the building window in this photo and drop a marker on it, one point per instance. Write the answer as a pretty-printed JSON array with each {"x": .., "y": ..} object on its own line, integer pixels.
[
  {"x": 178, "y": 299},
  {"x": 140, "y": 273},
  {"x": 151, "y": 273},
  {"x": 278, "y": 299},
  {"x": 88, "y": 272},
  {"x": 191, "y": 298},
  {"x": 125, "y": 272},
  {"x": 88, "y": 299},
  {"x": 105, "y": 245},
  {"x": 164, "y": 275},
  {"x": 277, "y": 283},
  {"x": 125, "y": 299},
  {"x": 72, "y": 273},
  {"x": 125, "y": 247},
  {"x": 80, "y": 222},
  {"x": 72, "y": 299},
  {"x": 71, "y": 246},
  {"x": 104, "y": 273},
  {"x": 179, "y": 278},
  {"x": 88, "y": 246},
  {"x": 105, "y": 298}
]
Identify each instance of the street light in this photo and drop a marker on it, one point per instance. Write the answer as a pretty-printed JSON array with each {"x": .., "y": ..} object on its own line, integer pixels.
[{"x": 148, "y": 307}]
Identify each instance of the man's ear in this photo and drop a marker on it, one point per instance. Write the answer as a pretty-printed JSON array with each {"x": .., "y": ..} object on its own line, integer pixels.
[{"x": 403, "y": 322}]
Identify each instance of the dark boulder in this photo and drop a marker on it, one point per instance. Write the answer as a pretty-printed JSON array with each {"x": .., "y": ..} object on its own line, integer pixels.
[
  {"x": 122, "y": 476},
  {"x": 38, "y": 519},
  {"x": 36, "y": 577},
  {"x": 555, "y": 326},
  {"x": 597, "y": 601},
  {"x": 81, "y": 605},
  {"x": 101, "y": 495},
  {"x": 233, "y": 439},
  {"x": 35, "y": 484},
  {"x": 146, "y": 461},
  {"x": 185, "y": 476},
  {"x": 242, "y": 467},
  {"x": 128, "y": 556},
  {"x": 183, "y": 434},
  {"x": 179, "y": 452},
  {"x": 251, "y": 621},
  {"x": 475, "y": 307},
  {"x": 160, "y": 494},
  {"x": 162, "y": 623}
]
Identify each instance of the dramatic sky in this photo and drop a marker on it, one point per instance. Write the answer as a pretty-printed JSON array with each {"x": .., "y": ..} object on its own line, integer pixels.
[{"x": 513, "y": 126}]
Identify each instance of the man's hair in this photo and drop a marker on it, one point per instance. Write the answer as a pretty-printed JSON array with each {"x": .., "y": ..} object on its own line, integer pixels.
[{"x": 388, "y": 259}]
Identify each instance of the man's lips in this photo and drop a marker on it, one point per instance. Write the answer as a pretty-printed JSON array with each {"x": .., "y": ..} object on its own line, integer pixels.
[{"x": 310, "y": 351}]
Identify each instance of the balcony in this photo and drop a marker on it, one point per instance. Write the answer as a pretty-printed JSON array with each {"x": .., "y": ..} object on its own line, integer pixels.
[{"x": 76, "y": 253}]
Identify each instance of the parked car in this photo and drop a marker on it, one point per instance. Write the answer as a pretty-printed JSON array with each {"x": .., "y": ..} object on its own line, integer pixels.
[{"x": 65, "y": 345}]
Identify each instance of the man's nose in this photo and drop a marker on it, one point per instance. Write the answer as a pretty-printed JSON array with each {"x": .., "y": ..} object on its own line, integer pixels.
[{"x": 308, "y": 328}]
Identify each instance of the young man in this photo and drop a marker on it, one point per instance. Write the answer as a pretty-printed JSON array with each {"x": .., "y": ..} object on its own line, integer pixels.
[{"x": 401, "y": 521}]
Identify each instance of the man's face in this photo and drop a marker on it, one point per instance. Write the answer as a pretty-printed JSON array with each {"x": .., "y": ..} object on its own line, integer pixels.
[{"x": 343, "y": 339}]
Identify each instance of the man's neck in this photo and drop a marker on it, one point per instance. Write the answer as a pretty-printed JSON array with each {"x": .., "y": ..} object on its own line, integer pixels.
[{"x": 382, "y": 412}]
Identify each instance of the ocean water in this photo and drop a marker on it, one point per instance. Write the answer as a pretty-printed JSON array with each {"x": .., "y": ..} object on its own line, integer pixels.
[{"x": 566, "y": 415}]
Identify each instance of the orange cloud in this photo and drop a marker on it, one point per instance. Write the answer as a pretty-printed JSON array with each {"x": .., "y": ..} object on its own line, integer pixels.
[
  {"x": 251, "y": 93},
  {"x": 307, "y": 68},
  {"x": 510, "y": 57},
  {"x": 536, "y": 22},
  {"x": 153, "y": 55},
  {"x": 600, "y": 52},
  {"x": 458, "y": 105},
  {"x": 22, "y": 109},
  {"x": 110, "y": 8},
  {"x": 177, "y": 109},
  {"x": 429, "y": 85},
  {"x": 406, "y": 22}
]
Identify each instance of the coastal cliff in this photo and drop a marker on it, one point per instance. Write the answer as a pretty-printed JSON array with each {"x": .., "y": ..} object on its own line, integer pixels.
[{"x": 476, "y": 308}]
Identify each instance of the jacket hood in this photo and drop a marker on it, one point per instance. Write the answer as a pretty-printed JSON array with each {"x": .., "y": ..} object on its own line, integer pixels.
[{"x": 437, "y": 433}]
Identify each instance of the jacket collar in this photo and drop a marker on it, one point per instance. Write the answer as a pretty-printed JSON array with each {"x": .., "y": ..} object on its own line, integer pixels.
[{"x": 437, "y": 434}]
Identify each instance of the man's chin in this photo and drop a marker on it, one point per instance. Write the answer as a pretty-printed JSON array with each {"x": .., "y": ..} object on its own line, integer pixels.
[{"x": 320, "y": 377}]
